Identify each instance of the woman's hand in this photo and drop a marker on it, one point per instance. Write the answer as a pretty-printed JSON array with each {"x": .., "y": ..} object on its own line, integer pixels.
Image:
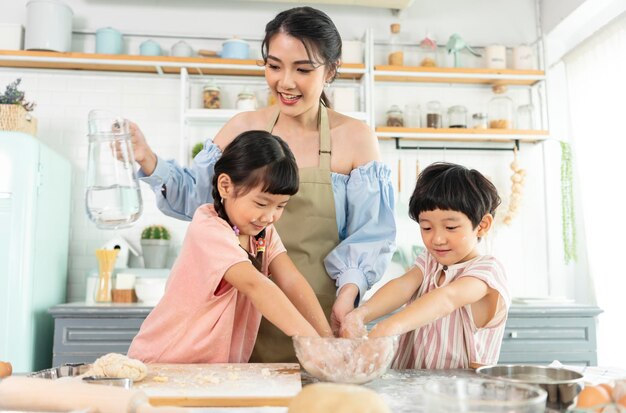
[
  {"x": 142, "y": 152},
  {"x": 343, "y": 305}
]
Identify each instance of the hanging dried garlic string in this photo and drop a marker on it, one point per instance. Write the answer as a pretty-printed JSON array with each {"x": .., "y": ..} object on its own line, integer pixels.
[{"x": 517, "y": 184}]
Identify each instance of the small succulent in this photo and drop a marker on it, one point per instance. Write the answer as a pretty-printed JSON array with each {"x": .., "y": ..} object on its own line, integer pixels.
[
  {"x": 196, "y": 149},
  {"x": 155, "y": 232},
  {"x": 13, "y": 96}
]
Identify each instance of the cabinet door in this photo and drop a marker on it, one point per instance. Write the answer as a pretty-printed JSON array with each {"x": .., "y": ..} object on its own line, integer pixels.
[
  {"x": 94, "y": 335},
  {"x": 551, "y": 334}
]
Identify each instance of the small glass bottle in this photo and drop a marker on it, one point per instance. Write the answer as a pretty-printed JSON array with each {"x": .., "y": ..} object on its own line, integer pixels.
[
  {"x": 457, "y": 117},
  {"x": 428, "y": 51},
  {"x": 246, "y": 100},
  {"x": 412, "y": 116},
  {"x": 395, "y": 117},
  {"x": 525, "y": 117},
  {"x": 396, "y": 55},
  {"x": 501, "y": 109},
  {"x": 433, "y": 114},
  {"x": 479, "y": 121},
  {"x": 211, "y": 96}
]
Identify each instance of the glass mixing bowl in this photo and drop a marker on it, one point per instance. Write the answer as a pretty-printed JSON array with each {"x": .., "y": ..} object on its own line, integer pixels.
[{"x": 345, "y": 360}]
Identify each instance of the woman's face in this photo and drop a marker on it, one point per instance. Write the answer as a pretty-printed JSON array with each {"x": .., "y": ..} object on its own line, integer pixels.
[{"x": 295, "y": 80}]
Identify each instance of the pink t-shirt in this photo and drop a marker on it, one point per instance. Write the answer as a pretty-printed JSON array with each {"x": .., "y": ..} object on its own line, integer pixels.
[
  {"x": 454, "y": 341},
  {"x": 202, "y": 318}
]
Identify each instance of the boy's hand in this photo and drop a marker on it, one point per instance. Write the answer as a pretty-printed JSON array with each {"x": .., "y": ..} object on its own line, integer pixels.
[{"x": 141, "y": 150}]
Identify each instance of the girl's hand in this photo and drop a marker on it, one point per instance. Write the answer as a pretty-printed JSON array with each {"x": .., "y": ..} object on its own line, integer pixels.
[
  {"x": 343, "y": 305},
  {"x": 384, "y": 329},
  {"x": 353, "y": 325},
  {"x": 144, "y": 156}
]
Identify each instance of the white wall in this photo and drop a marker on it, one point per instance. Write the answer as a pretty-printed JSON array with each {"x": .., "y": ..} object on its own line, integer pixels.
[{"x": 64, "y": 98}]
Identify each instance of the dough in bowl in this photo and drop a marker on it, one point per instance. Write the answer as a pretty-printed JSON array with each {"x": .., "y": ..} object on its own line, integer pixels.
[
  {"x": 337, "y": 398},
  {"x": 118, "y": 366}
]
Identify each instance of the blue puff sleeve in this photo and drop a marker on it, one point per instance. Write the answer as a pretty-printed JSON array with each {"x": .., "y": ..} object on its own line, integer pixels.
[
  {"x": 180, "y": 191},
  {"x": 364, "y": 203}
]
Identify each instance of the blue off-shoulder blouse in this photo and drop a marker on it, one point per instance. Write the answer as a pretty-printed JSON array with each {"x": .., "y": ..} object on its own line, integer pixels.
[{"x": 364, "y": 203}]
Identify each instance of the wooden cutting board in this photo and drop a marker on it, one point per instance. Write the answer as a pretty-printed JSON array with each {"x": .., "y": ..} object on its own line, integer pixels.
[{"x": 221, "y": 385}]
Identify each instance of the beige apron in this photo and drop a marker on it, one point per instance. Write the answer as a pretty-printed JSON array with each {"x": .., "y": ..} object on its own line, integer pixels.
[{"x": 308, "y": 228}]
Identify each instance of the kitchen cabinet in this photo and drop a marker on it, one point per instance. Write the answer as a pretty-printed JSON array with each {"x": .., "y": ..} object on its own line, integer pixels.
[{"x": 533, "y": 334}]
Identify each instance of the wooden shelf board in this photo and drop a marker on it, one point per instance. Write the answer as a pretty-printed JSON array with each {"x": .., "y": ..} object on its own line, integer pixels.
[
  {"x": 465, "y": 135},
  {"x": 143, "y": 64},
  {"x": 388, "y": 73}
]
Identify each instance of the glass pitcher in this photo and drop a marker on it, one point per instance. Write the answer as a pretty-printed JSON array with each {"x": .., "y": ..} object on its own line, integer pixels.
[{"x": 112, "y": 197}]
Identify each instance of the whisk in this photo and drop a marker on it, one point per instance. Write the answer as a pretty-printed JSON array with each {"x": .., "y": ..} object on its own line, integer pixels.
[{"x": 106, "y": 262}]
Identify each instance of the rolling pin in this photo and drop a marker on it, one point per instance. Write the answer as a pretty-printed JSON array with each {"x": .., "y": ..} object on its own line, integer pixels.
[{"x": 25, "y": 393}]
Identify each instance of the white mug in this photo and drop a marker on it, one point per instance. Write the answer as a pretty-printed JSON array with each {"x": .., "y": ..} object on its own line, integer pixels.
[{"x": 495, "y": 56}]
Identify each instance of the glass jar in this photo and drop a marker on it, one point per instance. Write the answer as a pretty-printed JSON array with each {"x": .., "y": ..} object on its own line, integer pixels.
[
  {"x": 412, "y": 116},
  {"x": 396, "y": 55},
  {"x": 246, "y": 101},
  {"x": 501, "y": 109},
  {"x": 112, "y": 195},
  {"x": 457, "y": 117},
  {"x": 395, "y": 117},
  {"x": 433, "y": 114},
  {"x": 479, "y": 121},
  {"x": 428, "y": 51},
  {"x": 211, "y": 96},
  {"x": 525, "y": 117}
]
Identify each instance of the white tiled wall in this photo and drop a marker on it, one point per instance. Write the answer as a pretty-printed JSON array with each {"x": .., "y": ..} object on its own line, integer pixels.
[{"x": 63, "y": 101}]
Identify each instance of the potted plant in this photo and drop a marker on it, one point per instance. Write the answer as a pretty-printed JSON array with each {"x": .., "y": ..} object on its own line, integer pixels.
[
  {"x": 196, "y": 149},
  {"x": 155, "y": 243},
  {"x": 15, "y": 111}
]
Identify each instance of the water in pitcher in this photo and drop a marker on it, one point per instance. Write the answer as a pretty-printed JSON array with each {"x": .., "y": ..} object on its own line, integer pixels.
[{"x": 113, "y": 206}]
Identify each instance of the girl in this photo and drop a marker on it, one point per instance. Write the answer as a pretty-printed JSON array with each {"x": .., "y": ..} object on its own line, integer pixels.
[
  {"x": 456, "y": 299},
  {"x": 339, "y": 228},
  {"x": 233, "y": 267}
]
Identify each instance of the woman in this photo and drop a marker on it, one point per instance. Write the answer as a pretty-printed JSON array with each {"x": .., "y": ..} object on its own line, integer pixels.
[{"x": 339, "y": 229}]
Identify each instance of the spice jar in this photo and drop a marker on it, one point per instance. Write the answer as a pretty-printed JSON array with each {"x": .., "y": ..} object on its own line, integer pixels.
[
  {"x": 433, "y": 114},
  {"x": 211, "y": 96},
  {"x": 396, "y": 55},
  {"x": 428, "y": 51},
  {"x": 395, "y": 117},
  {"x": 501, "y": 109},
  {"x": 479, "y": 121},
  {"x": 457, "y": 116},
  {"x": 246, "y": 100}
]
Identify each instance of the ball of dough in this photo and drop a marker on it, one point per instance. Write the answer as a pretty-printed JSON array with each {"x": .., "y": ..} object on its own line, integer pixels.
[
  {"x": 119, "y": 366},
  {"x": 337, "y": 398}
]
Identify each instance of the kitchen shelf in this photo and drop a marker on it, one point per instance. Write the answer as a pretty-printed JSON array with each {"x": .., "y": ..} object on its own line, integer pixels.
[
  {"x": 385, "y": 73},
  {"x": 462, "y": 135},
  {"x": 146, "y": 64},
  {"x": 223, "y": 115}
]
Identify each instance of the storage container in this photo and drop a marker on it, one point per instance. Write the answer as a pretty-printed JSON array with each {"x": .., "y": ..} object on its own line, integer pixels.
[
  {"x": 48, "y": 26},
  {"x": 457, "y": 117},
  {"x": 108, "y": 41},
  {"x": 246, "y": 100},
  {"x": 501, "y": 109},
  {"x": 433, "y": 114},
  {"x": 11, "y": 36},
  {"x": 395, "y": 117},
  {"x": 211, "y": 96}
]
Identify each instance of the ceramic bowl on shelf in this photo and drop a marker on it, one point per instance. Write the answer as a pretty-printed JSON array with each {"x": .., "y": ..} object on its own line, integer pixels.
[
  {"x": 345, "y": 360},
  {"x": 149, "y": 290}
]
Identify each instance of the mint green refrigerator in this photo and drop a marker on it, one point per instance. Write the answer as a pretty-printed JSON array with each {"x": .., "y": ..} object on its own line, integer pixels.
[{"x": 34, "y": 238}]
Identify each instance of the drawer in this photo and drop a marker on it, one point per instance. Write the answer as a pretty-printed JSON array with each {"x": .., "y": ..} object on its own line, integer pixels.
[
  {"x": 94, "y": 335},
  {"x": 549, "y": 334},
  {"x": 545, "y": 358}
]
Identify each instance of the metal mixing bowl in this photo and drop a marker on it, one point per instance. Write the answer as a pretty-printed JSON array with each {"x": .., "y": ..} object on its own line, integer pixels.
[
  {"x": 345, "y": 360},
  {"x": 561, "y": 384}
]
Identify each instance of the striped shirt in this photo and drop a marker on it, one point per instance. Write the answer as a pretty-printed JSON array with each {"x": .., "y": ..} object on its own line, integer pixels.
[{"x": 454, "y": 341}]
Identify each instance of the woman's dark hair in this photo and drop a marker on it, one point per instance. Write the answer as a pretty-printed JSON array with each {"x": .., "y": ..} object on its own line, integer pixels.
[
  {"x": 315, "y": 30},
  {"x": 452, "y": 187},
  {"x": 256, "y": 158}
]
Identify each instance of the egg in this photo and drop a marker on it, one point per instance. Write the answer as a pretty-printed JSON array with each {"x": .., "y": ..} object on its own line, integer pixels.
[
  {"x": 622, "y": 401},
  {"x": 5, "y": 369},
  {"x": 608, "y": 388},
  {"x": 592, "y": 396}
]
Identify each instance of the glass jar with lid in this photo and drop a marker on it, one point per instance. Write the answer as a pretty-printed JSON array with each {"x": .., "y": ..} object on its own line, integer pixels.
[
  {"x": 457, "y": 116},
  {"x": 501, "y": 109},
  {"x": 525, "y": 117},
  {"x": 211, "y": 96},
  {"x": 395, "y": 117},
  {"x": 246, "y": 100},
  {"x": 433, "y": 114},
  {"x": 428, "y": 51},
  {"x": 479, "y": 121}
]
